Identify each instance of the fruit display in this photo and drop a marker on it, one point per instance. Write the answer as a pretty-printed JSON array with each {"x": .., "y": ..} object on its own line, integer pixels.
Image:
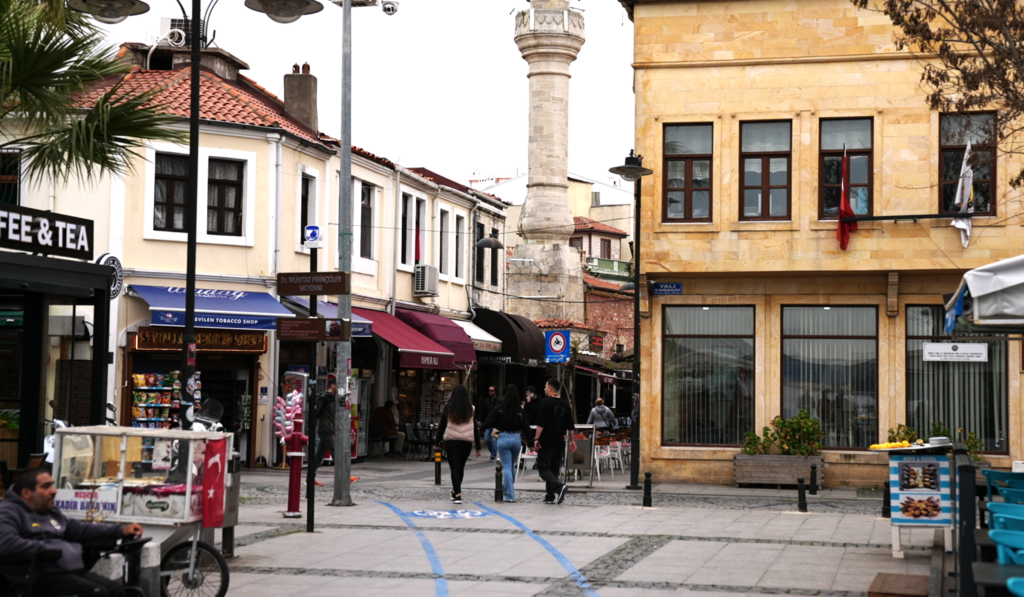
[
  {"x": 920, "y": 508},
  {"x": 923, "y": 477},
  {"x": 891, "y": 445}
]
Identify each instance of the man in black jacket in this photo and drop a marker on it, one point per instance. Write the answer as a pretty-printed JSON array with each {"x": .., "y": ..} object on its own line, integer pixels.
[
  {"x": 326, "y": 426},
  {"x": 554, "y": 427},
  {"x": 486, "y": 405},
  {"x": 30, "y": 522}
]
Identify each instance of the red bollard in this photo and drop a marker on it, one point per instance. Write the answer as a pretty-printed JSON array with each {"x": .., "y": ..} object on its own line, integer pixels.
[{"x": 294, "y": 444}]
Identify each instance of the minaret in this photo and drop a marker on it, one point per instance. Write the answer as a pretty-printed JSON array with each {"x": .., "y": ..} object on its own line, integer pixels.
[{"x": 549, "y": 36}]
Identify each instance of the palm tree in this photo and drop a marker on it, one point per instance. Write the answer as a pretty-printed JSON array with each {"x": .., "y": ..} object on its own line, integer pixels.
[{"x": 49, "y": 57}]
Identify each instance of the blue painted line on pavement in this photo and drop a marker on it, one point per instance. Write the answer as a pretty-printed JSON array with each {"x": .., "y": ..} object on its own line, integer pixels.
[
  {"x": 440, "y": 583},
  {"x": 574, "y": 573}
]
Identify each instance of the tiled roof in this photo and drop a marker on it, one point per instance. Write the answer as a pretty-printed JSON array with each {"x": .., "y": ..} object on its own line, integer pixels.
[
  {"x": 603, "y": 284},
  {"x": 443, "y": 180},
  {"x": 588, "y": 225},
  {"x": 558, "y": 324}
]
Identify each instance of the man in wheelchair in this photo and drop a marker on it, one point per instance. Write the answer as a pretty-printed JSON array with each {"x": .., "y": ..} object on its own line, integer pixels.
[{"x": 29, "y": 523}]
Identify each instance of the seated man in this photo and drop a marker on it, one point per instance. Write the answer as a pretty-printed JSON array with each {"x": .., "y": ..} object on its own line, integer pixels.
[
  {"x": 386, "y": 419},
  {"x": 29, "y": 522}
]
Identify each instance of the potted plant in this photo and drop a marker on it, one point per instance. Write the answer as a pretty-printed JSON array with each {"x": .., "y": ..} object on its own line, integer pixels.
[
  {"x": 974, "y": 445},
  {"x": 782, "y": 453}
]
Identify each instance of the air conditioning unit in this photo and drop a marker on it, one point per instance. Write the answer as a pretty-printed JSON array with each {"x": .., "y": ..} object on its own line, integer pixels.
[{"x": 424, "y": 281}]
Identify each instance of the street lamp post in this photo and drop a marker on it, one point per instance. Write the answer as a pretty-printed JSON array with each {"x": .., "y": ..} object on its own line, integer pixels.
[{"x": 633, "y": 170}]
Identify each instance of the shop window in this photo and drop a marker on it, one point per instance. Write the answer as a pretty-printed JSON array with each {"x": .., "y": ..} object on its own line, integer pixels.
[
  {"x": 366, "y": 221},
  {"x": 854, "y": 135},
  {"x": 224, "y": 200},
  {"x": 830, "y": 369},
  {"x": 765, "y": 154},
  {"x": 171, "y": 192},
  {"x": 460, "y": 243},
  {"x": 480, "y": 252},
  {"x": 708, "y": 392},
  {"x": 687, "y": 173},
  {"x": 494, "y": 260},
  {"x": 606, "y": 248},
  {"x": 10, "y": 176},
  {"x": 955, "y": 132},
  {"x": 961, "y": 395}
]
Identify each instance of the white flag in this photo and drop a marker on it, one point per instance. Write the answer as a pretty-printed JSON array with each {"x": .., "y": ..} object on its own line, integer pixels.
[{"x": 965, "y": 198}]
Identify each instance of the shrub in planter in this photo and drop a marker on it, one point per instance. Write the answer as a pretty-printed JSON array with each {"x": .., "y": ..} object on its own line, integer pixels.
[{"x": 798, "y": 436}]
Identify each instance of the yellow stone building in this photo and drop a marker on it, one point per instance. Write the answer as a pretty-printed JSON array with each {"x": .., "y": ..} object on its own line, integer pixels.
[{"x": 743, "y": 110}]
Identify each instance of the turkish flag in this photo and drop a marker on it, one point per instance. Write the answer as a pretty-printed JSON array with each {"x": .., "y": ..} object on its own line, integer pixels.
[
  {"x": 214, "y": 472},
  {"x": 845, "y": 211}
]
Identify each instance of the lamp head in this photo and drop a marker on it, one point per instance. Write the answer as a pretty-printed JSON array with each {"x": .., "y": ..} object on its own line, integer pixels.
[
  {"x": 109, "y": 12},
  {"x": 285, "y": 11},
  {"x": 490, "y": 242},
  {"x": 633, "y": 168}
]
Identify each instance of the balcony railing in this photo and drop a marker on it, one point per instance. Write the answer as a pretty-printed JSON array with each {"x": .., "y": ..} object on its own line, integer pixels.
[{"x": 608, "y": 267}]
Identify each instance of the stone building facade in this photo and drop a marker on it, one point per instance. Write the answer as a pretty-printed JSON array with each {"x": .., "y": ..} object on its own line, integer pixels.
[{"x": 743, "y": 111}]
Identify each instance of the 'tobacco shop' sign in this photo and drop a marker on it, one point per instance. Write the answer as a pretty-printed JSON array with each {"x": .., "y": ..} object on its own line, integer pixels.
[{"x": 45, "y": 232}]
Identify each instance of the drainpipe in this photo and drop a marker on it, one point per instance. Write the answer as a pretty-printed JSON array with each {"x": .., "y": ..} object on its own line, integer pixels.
[
  {"x": 397, "y": 231},
  {"x": 53, "y": 195},
  {"x": 471, "y": 274},
  {"x": 276, "y": 142}
]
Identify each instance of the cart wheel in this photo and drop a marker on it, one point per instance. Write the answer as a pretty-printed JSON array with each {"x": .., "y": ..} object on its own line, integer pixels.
[{"x": 209, "y": 579}]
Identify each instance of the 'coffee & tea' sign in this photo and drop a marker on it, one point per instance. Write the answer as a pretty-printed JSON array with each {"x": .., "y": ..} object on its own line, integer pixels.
[{"x": 38, "y": 231}]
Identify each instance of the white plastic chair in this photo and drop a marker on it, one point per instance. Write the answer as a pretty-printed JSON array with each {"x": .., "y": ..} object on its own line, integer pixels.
[
  {"x": 524, "y": 456},
  {"x": 616, "y": 450},
  {"x": 604, "y": 454}
]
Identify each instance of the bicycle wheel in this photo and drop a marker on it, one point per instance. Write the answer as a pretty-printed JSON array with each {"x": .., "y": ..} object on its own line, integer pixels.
[{"x": 210, "y": 577}]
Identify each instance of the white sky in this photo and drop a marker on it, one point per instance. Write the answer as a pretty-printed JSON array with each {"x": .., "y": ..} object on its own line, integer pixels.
[{"x": 439, "y": 85}]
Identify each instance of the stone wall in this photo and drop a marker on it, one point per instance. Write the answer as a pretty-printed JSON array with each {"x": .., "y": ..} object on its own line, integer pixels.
[{"x": 612, "y": 315}]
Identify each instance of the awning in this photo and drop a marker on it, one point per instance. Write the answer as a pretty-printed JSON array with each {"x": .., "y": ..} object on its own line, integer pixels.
[
  {"x": 991, "y": 295},
  {"x": 361, "y": 328},
  {"x": 442, "y": 330},
  {"x": 226, "y": 309},
  {"x": 601, "y": 376},
  {"x": 522, "y": 343},
  {"x": 482, "y": 341},
  {"x": 416, "y": 350}
]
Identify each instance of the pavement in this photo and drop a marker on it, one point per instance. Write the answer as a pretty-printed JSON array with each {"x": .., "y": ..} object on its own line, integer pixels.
[{"x": 404, "y": 537}]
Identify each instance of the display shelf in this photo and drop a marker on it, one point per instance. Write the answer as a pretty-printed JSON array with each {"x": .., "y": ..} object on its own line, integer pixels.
[
  {"x": 152, "y": 419},
  {"x": 154, "y": 389},
  {"x": 155, "y": 405}
]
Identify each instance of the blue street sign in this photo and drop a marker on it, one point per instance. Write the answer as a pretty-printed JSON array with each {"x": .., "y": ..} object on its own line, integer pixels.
[
  {"x": 312, "y": 233},
  {"x": 668, "y": 288},
  {"x": 556, "y": 346}
]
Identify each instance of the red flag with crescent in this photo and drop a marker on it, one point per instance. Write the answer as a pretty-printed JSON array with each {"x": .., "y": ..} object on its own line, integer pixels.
[{"x": 214, "y": 476}]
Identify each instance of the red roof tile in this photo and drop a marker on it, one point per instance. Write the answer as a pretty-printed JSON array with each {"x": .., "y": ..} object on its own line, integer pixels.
[
  {"x": 445, "y": 181},
  {"x": 603, "y": 284},
  {"x": 588, "y": 225},
  {"x": 558, "y": 324}
]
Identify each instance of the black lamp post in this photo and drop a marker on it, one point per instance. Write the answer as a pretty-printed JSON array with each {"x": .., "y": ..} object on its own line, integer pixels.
[
  {"x": 115, "y": 11},
  {"x": 633, "y": 170}
]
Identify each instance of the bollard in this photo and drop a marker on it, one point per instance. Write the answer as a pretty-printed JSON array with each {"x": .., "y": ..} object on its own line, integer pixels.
[
  {"x": 886, "y": 498},
  {"x": 647, "y": 489},
  {"x": 499, "y": 492},
  {"x": 801, "y": 495},
  {"x": 814, "y": 479},
  {"x": 294, "y": 444},
  {"x": 437, "y": 465}
]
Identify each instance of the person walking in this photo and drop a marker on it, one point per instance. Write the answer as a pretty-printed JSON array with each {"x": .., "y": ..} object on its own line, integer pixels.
[
  {"x": 554, "y": 429},
  {"x": 506, "y": 419},
  {"x": 530, "y": 414},
  {"x": 486, "y": 405},
  {"x": 458, "y": 433},
  {"x": 327, "y": 410},
  {"x": 602, "y": 417}
]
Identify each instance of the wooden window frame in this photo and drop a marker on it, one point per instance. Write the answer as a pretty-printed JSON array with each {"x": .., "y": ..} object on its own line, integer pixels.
[
  {"x": 479, "y": 266},
  {"x": 688, "y": 158},
  {"x": 220, "y": 185},
  {"x": 989, "y": 148},
  {"x": 168, "y": 213},
  {"x": 766, "y": 186},
  {"x": 822, "y": 154},
  {"x": 366, "y": 192},
  {"x": 606, "y": 243},
  {"x": 304, "y": 205},
  {"x": 12, "y": 177},
  {"x": 494, "y": 260}
]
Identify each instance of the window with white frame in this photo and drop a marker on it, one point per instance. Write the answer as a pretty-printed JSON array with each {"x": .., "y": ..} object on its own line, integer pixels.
[
  {"x": 366, "y": 221},
  {"x": 420, "y": 233},
  {"x": 460, "y": 247},
  {"x": 407, "y": 217},
  {"x": 171, "y": 192},
  {"x": 305, "y": 191},
  {"x": 442, "y": 245}
]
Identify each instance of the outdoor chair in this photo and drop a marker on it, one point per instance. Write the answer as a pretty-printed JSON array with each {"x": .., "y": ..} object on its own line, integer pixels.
[
  {"x": 985, "y": 545},
  {"x": 416, "y": 444},
  {"x": 1016, "y": 586},
  {"x": 995, "y": 483},
  {"x": 375, "y": 438},
  {"x": 524, "y": 457},
  {"x": 604, "y": 455},
  {"x": 993, "y": 577}
]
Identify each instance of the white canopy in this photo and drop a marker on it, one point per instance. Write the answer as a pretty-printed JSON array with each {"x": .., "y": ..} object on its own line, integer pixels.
[
  {"x": 482, "y": 341},
  {"x": 997, "y": 291}
]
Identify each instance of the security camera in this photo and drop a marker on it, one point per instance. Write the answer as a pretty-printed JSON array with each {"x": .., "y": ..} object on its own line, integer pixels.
[{"x": 390, "y": 7}]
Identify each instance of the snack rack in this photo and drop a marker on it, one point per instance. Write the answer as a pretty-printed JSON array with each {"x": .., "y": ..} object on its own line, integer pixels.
[{"x": 920, "y": 491}]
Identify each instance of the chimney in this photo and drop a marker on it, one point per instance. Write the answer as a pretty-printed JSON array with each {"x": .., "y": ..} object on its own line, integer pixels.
[{"x": 300, "y": 97}]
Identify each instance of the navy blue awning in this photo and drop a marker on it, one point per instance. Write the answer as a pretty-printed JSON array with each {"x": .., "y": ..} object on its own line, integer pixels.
[
  {"x": 227, "y": 309},
  {"x": 361, "y": 327}
]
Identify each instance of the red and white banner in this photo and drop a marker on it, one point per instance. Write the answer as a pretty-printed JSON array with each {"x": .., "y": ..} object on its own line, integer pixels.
[{"x": 214, "y": 476}]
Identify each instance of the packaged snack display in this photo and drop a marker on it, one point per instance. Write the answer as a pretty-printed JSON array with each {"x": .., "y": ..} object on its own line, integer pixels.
[{"x": 155, "y": 400}]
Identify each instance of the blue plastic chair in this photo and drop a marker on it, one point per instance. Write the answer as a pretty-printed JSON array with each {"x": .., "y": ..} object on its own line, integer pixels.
[
  {"x": 1010, "y": 545},
  {"x": 1016, "y": 586},
  {"x": 1007, "y": 522},
  {"x": 1011, "y": 496},
  {"x": 994, "y": 481},
  {"x": 1006, "y": 508}
]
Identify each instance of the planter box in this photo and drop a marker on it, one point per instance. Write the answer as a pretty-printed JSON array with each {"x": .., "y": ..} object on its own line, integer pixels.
[{"x": 776, "y": 469}]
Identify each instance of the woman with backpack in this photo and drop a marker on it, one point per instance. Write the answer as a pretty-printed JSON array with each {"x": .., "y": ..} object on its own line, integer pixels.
[
  {"x": 458, "y": 434},
  {"x": 508, "y": 422},
  {"x": 602, "y": 417}
]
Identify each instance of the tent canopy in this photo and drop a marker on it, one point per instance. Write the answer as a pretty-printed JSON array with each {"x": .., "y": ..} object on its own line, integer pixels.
[{"x": 991, "y": 295}]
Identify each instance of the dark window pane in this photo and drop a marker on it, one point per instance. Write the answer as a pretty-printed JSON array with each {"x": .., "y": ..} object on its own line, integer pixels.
[
  {"x": 677, "y": 204},
  {"x": 752, "y": 203},
  {"x": 779, "y": 168},
  {"x": 855, "y": 134},
  {"x": 982, "y": 197},
  {"x": 709, "y": 321},
  {"x": 180, "y": 191},
  {"x": 831, "y": 199},
  {"x": 161, "y": 191},
  {"x": 159, "y": 221},
  {"x": 701, "y": 204},
  {"x": 981, "y": 162},
  {"x": 752, "y": 172},
  {"x": 179, "y": 218},
  {"x": 213, "y": 196},
  {"x": 859, "y": 200},
  {"x": 230, "y": 196},
  {"x": 676, "y": 175},
  {"x": 949, "y": 197},
  {"x": 211, "y": 221},
  {"x": 701, "y": 174},
  {"x": 171, "y": 165},
  {"x": 778, "y": 203},
  {"x": 952, "y": 161},
  {"x": 829, "y": 321},
  {"x": 225, "y": 170},
  {"x": 833, "y": 169},
  {"x": 688, "y": 139},
  {"x": 958, "y": 129},
  {"x": 858, "y": 165},
  {"x": 766, "y": 136}
]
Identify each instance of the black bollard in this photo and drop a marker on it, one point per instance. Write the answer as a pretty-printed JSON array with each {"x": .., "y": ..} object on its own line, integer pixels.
[
  {"x": 437, "y": 466},
  {"x": 814, "y": 479},
  {"x": 499, "y": 492},
  {"x": 801, "y": 495},
  {"x": 647, "y": 489},
  {"x": 886, "y": 498}
]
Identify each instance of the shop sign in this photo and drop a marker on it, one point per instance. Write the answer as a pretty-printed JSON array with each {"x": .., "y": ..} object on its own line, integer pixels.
[
  {"x": 495, "y": 360},
  {"x": 45, "y": 232},
  {"x": 314, "y": 329},
  {"x": 597, "y": 343},
  {"x": 310, "y": 283},
  {"x": 961, "y": 353},
  {"x": 95, "y": 505},
  {"x": 667, "y": 288},
  {"x": 117, "y": 282},
  {"x": 157, "y": 338},
  {"x": 486, "y": 346}
]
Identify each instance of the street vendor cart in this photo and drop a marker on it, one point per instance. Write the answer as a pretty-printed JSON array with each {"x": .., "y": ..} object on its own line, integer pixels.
[{"x": 173, "y": 482}]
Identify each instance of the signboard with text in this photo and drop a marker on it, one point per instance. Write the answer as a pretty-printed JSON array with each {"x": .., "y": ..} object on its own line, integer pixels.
[
  {"x": 45, "y": 232},
  {"x": 955, "y": 353},
  {"x": 314, "y": 329},
  {"x": 556, "y": 346},
  {"x": 310, "y": 283},
  {"x": 170, "y": 340},
  {"x": 667, "y": 288}
]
